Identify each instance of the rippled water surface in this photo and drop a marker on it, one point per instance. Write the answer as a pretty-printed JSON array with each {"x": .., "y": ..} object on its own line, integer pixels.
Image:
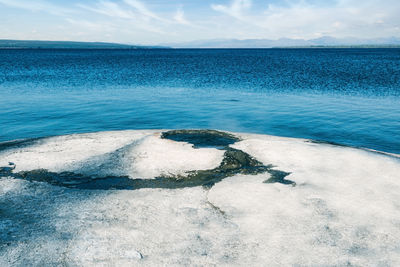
[{"x": 347, "y": 96}]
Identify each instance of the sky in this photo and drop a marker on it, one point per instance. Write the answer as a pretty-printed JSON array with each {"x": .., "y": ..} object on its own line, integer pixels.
[{"x": 172, "y": 21}]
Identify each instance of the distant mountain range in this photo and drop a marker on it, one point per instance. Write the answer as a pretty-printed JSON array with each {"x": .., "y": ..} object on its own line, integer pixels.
[
  {"x": 67, "y": 45},
  {"x": 325, "y": 41}
]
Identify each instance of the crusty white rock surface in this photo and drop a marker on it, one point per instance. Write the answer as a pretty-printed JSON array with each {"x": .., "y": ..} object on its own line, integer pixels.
[{"x": 344, "y": 209}]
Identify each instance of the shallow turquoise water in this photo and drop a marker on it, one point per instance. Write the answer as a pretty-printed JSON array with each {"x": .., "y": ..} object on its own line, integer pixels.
[{"x": 348, "y": 96}]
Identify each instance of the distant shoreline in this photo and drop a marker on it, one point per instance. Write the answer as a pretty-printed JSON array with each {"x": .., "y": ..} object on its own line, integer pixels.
[
  {"x": 199, "y": 48},
  {"x": 81, "y": 48},
  {"x": 38, "y": 44},
  {"x": 342, "y": 46}
]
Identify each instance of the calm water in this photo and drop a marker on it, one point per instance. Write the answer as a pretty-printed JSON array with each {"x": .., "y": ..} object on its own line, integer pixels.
[{"x": 348, "y": 96}]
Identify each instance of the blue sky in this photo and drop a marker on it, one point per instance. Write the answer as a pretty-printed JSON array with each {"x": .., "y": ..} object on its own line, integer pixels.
[{"x": 164, "y": 21}]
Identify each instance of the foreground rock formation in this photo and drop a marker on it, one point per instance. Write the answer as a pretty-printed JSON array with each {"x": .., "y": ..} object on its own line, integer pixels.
[{"x": 196, "y": 197}]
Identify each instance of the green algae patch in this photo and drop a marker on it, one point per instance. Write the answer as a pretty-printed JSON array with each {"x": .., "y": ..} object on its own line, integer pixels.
[
  {"x": 234, "y": 162},
  {"x": 279, "y": 177},
  {"x": 202, "y": 138}
]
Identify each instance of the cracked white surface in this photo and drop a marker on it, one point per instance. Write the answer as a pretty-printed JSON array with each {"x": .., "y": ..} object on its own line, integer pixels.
[{"x": 344, "y": 210}]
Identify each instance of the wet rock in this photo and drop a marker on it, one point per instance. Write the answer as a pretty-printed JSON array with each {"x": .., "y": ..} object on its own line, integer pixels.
[
  {"x": 7, "y": 171},
  {"x": 202, "y": 138},
  {"x": 279, "y": 177}
]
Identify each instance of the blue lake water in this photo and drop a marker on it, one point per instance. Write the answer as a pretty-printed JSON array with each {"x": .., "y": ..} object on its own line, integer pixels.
[{"x": 347, "y": 96}]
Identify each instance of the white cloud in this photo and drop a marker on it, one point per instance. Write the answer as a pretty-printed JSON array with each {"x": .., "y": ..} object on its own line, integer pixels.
[
  {"x": 135, "y": 16},
  {"x": 180, "y": 17},
  {"x": 155, "y": 21},
  {"x": 235, "y": 9},
  {"x": 109, "y": 9},
  {"x": 357, "y": 18},
  {"x": 142, "y": 9},
  {"x": 309, "y": 19}
]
